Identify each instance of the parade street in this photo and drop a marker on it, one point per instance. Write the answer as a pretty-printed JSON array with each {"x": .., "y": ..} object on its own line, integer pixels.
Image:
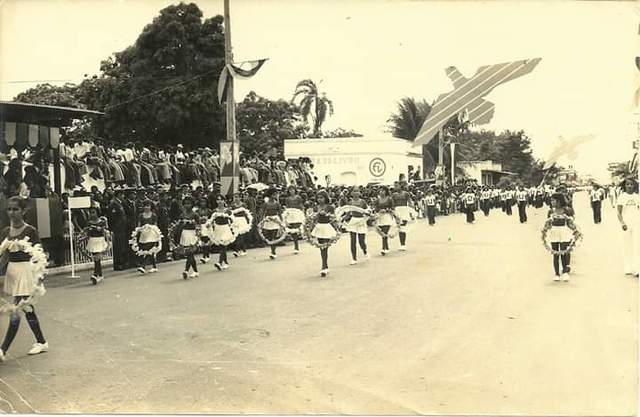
[{"x": 468, "y": 320}]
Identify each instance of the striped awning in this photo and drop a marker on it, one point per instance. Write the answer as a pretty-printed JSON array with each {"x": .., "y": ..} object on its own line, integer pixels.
[
  {"x": 25, "y": 125},
  {"x": 22, "y": 135}
]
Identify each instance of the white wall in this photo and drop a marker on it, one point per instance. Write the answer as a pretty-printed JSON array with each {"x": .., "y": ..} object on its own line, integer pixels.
[{"x": 356, "y": 161}]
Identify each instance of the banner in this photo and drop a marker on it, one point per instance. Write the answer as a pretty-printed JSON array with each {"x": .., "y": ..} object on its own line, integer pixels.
[{"x": 237, "y": 71}]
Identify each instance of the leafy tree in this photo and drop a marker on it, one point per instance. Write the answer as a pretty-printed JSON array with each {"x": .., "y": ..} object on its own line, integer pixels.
[
  {"x": 50, "y": 95},
  {"x": 264, "y": 124},
  {"x": 406, "y": 123},
  {"x": 341, "y": 133},
  {"x": 313, "y": 105},
  {"x": 163, "y": 88}
]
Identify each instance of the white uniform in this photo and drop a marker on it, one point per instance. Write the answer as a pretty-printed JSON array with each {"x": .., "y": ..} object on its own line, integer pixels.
[{"x": 630, "y": 204}]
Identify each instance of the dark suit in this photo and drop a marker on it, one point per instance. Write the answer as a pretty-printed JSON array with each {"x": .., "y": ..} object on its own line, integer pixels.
[
  {"x": 131, "y": 214},
  {"x": 118, "y": 226}
]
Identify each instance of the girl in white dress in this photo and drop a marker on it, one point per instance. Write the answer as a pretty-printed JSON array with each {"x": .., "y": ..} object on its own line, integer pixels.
[{"x": 21, "y": 279}]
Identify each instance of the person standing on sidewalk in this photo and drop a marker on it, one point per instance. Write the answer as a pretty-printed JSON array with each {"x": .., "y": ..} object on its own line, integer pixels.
[{"x": 629, "y": 216}]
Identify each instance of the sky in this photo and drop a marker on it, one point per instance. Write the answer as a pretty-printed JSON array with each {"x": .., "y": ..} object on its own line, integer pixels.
[{"x": 366, "y": 55}]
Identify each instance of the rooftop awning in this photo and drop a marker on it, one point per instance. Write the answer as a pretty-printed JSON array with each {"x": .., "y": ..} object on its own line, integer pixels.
[{"x": 40, "y": 114}]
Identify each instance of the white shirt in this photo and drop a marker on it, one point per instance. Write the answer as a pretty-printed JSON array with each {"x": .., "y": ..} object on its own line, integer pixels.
[
  {"x": 430, "y": 200},
  {"x": 630, "y": 204},
  {"x": 469, "y": 198},
  {"x": 522, "y": 196},
  {"x": 596, "y": 195}
]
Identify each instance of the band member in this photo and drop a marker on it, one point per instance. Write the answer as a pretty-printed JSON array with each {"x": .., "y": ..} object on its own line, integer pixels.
[
  {"x": 495, "y": 197},
  {"x": 509, "y": 201},
  {"x": 385, "y": 220},
  {"x": 270, "y": 229},
  {"x": 401, "y": 199},
  {"x": 206, "y": 230},
  {"x": 430, "y": 202},
  {"x": 222, "y": 236},
  {"x": 150, "y": 237},
  {"x": 357, "y": 226},
  {"x": 323, "y": 230},
  {"x": 560, "y": 235},
  {"x": 469, "y": 201},
  {"x": 522, "y": 196},
  {"x": 629, "y": 216},
  {"x": 294, "y": 216},
  {"x": 97, "y": 243},
  {"x": 21, "y": 279},
  {"x": 485, "y": 201},
  {"x": 189, "y": 238},
  {"x": 596, "y": 196},
  {"x": 242, "y": 224}
]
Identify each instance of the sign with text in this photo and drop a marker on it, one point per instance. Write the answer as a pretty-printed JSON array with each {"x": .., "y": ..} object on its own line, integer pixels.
[{"x": 79, "y": 202}]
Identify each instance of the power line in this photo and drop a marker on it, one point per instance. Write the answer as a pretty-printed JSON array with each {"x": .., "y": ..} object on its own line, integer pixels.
[{"x": 159, "y": 91}]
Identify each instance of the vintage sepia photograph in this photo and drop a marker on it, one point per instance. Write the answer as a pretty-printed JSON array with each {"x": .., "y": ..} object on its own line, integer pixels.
[{"x": 337, "y": 207}]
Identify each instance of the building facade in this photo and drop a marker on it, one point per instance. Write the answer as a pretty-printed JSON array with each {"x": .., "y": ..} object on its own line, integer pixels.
[
  {"x": 357, "y": 161},
  {"x": 483, "y": 172}
]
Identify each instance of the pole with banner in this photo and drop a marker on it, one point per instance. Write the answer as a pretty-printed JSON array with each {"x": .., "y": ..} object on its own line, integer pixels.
[
  {"x": 75, "y": 203},
  {"x": 229, "y": 150}
]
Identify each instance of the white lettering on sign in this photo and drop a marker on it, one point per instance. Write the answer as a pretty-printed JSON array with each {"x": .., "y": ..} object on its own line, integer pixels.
[{"x": 335, "y": 160}]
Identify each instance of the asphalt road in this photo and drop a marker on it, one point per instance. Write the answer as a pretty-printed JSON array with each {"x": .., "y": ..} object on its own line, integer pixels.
[{"x": 467, "y": 321}]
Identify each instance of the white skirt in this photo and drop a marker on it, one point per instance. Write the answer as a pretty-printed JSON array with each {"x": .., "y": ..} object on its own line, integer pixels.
[
  {"x": 386, "y": 219},
  {"x": 357, "y": 225},
  {"x": 20, "y": 279},
  {"x": 241, "y": 225},
  {"x": 206, "y": 230},
  {"x": 293, "y": 216},
  {"x": 149, "y": 233},
  {"x": 270, "y": 225},
  {"x": 559, "y": 234},
  {"x": 404, "y": 213},
  {"x": 324, "y": 231},
  {"x": 222, "y": 235},
  {"x": 97, "y": 245},
  {"x": 188, "y": 238}
]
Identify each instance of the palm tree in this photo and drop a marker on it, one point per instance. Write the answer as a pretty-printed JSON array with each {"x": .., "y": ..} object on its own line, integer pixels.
[
  {"x": 407, "y": 122},
  {"x": 313, "y": 104}
]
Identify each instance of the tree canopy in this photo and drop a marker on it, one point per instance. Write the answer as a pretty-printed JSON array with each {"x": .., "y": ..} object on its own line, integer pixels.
[{"x": 263, "y": 124}]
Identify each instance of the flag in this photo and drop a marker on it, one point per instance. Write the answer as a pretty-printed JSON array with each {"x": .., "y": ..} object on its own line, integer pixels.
[
  {"x": 566, "y": 148},
  {"x": 468, "y": 93},
  {"x": 46, "y": 215},
  {"x": 244, "y": 70}
]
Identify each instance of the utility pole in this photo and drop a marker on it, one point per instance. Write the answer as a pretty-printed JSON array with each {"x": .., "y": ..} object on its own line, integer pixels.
[
  {"x": 229, "y": 177},
  {"x": 440, "y": 169}
]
